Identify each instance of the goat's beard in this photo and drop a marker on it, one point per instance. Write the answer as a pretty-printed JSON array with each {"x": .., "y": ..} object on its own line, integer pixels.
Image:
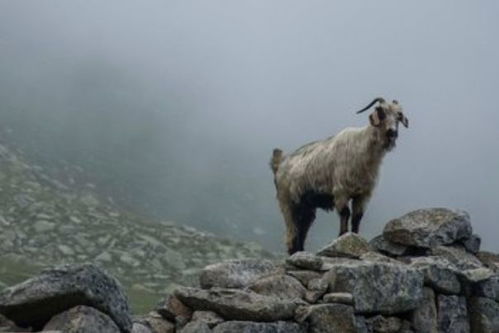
[{"x": 390, "y": 144}]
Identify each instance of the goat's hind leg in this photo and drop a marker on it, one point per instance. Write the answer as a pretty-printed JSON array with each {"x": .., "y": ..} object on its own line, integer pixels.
[{"x": 358, "y": 207}]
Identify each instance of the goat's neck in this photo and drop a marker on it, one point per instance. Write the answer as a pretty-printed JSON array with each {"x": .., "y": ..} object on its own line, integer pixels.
[{"x": 374, "y": 144}]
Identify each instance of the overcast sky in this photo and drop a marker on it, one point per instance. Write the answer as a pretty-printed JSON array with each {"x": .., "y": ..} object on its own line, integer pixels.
[{"x": 248, "y": 76}]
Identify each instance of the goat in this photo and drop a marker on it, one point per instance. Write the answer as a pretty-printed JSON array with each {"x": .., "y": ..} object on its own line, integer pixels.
[{"x": 330, "y": 173}]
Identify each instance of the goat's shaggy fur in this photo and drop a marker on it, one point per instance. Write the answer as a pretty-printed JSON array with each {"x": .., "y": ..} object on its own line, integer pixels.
[{"x": 328, "y": 174}]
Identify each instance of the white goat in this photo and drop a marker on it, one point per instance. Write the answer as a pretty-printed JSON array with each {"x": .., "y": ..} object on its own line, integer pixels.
[{"x": 329, "y": 173}]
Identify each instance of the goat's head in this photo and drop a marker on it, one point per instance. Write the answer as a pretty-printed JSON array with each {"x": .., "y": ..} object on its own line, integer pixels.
[{"x": 386, "y": 117}]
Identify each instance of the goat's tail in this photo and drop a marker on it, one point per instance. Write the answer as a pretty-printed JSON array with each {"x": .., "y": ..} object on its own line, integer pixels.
[{"x": 275, "y": 161}]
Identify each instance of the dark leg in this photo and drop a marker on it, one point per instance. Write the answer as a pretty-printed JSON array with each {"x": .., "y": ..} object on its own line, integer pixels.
[
  {"x": 344, "y": 216},
  {"x": 304, "y": 216},
  {"x": 358, "y": 204}
]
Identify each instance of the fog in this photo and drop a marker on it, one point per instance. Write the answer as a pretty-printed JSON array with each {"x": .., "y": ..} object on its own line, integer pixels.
[{"x": 173, "y": 107}]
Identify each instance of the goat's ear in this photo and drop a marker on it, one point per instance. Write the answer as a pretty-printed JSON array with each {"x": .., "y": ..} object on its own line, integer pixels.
[
  {"x": 404, "y": 120},
  {"x": 377, "y": 116}
]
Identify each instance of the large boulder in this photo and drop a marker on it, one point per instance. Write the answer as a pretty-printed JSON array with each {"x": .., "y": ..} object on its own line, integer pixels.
[
  {"x": 235, "y": 273},
  {"x": 379, "y": 243},
  {"x": 82, "y": 319},
  {"x": 458, "y": 256},
  {"x": 424, "y": 318},
  {"x": 280, "y": 286},
  {"x": 438, "y": 273},
  {"x": 378, "y": 287},
  {"x": 254, "y": 327},
  {"x": 452, "y": 314},
  {"x": 326, "y": 318},
  {"x": 35, "y": 301},
  {"x": 349, "y": 245},
  {"x": 484, "y": 315},
  {"x": 233, "y": 304},
  {"x": 429, "y": 228}
]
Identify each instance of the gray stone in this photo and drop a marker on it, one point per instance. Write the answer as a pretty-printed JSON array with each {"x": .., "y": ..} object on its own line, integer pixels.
[
  {"x": 35, "y": 301},
  {"x": 141, "y": 328},
  {"x": 157, "y": 323},
  {"x": 343, "y": 298},
  {"x": 438, "y": 273},
  {"x": 429, "y": 228},
  {"x": 379, "y": 243},
  {"x": 171, "y": 308},
  {"x": 210, "y": 318},
  {"x": 361, "y": 325},
  {"x": 233, "y": 304},
  {"x": 489, "y": 259},
  {"x": 424, "y": 318},
  {"x": 235, "y": 273},
  {"x": 484, "y": 315},
  {"x": 305, "y": 260},
  {"x": 349, "y": 245},
  {"x": 326, "y": 318},
  {"x": 304, "y": 276},
  {"x": 458, "y": 256},
  {"x": 82, "y": 319},
  {"x": 472, "y": 244},
  {"x": 280, "y": 286},
  {"x": 488, "y": 288},
  {"x": 381, "y": 324},
  {"x": 378, "y": 257},
  {"x": 196, "y": 327},
  {"x": 370, "y": 283},
  {"x": 452, "y": 314},
  {"x": 477, "y": 274},
  {"x": 253, "y": 327}
]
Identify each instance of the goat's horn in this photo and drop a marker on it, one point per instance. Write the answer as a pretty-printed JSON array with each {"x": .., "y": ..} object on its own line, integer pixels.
[{"x": 379, "y": 99}]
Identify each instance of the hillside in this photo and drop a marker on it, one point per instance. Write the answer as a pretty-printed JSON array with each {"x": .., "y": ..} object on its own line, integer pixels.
[{"x": 47, "y": 220}]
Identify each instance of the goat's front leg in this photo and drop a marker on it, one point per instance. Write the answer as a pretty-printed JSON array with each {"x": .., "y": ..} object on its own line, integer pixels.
[
  {"x": 358, "y": 207},
  {"x": 341, "y": 205}
]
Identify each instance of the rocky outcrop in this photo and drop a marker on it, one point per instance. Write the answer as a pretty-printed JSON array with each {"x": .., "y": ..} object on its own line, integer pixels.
[{"x": 394, "y": 283}]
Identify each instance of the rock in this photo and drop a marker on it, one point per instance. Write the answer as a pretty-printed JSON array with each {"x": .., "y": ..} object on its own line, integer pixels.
[
  {"x": 42, "y": 226},
  {"x": 343, "y": 298},
  {"x": 210, "y": 318},
  {"x": 35, "y": 301},
  {"x": 462, "y": 259},
  {"x": 484, "y": 315},
  {"x": 157, "y": 323},
  {"x": 360, "y": 325},
  {"x": 488, "y": 288},
  {"x": 305, "y": 260},
  {"x": 233, "y": 304},
  {"x": 304, "y": 276},
  {"x": 424, "y": 318},
  {"x": 235, "y": 273},
  {"x": 141, "y": 328},
  {"x": 452, "y": 314},
  {"x": 9, "y": 326},
  {"x": 378, "y": 257},
  {"x": 438, "y": 273},
  {"x": 429, "y": 228},
  {"x": 327, "y": 318},
  {"x": 280, "y": 286},
  {"x": 370, "y": 283},
  {"x": 477, "y": 274},
  {"x": 489, "y": 259},
  {"x": 380, "y": 244},
  {"x": 349, "y": 245},
  {"x": 380, "y": 324},
  {"x": 472, "y": 244},
  {"x": 316, "y": 289},
  {"x": 172, "y": 309},
  {"x": 82, "y": 319},
  {"x": 196, "y": 327},
  {"x": 252, "y": 327}
]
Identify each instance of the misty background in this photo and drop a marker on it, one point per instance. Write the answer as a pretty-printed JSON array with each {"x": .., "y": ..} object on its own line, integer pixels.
[{"x": 172, "y": 108}]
